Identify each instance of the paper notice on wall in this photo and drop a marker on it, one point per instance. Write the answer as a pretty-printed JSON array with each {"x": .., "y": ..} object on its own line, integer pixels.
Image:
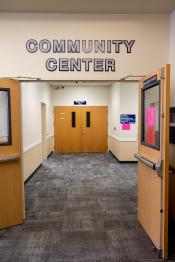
[
  {"x": 151, "y": 116},
  {"x": 150, "y": 135},
  {"x": 126, "y": 126}
]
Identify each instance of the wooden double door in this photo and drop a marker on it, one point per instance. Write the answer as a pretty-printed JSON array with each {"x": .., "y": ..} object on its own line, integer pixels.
[{"x": 81, "y": 129}]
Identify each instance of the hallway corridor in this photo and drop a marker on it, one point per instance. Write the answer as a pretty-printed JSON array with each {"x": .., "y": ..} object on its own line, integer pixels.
[{"x": 79, "y": 208}]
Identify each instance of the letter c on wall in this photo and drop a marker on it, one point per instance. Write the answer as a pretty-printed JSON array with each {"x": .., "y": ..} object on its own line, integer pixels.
[
  {"x": 32, "y": 46},
  {"x": 51, "y": 64}
]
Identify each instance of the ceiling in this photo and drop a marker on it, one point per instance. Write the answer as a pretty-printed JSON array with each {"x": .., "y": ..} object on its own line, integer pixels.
[{"x": 89, "y": 6}]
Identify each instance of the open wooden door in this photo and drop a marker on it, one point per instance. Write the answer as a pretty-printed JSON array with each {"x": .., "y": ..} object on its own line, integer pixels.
[
  {"x": 153, "y": 157},
  {"x": 11, "y": 183}
]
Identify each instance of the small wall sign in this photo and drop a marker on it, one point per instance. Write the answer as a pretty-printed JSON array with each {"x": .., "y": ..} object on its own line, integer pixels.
[
  {"x": 79, "y": 102},
  {"x": 127, "y": 118},
  {"x": 150, "y": 80}
]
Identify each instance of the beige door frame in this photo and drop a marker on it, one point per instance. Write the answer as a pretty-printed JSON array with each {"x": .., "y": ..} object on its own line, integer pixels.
[{"x": 44, "y": 131}]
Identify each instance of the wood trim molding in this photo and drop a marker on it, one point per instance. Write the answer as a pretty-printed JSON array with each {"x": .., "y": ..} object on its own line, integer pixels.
[
  {"x": 124, "y": 139},
  {"x": 27, "y": 148},
  {"x": 31, "y": 146},
  {"x": 51, "y": 135}
]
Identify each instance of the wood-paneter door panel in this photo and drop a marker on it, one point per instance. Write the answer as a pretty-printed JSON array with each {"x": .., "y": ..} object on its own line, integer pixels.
[
  {"x": 80, "y": 129},
  {"x": 67, "y": 129},
  {"x": 94, "y": 128},
  {"x": 153, "y": 147},
  {"x": 11, "y": 182}
]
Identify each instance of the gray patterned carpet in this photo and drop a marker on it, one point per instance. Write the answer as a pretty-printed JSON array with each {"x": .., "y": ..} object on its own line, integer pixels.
[{"x": 79, "y": 208}]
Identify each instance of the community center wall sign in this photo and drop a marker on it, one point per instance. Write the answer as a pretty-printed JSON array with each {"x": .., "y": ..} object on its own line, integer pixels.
[{"x": 86, "y": 51}]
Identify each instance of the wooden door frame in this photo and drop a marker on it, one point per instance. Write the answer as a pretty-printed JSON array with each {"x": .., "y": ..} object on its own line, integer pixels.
[
  {"x": 43, "y": 130},
  {"x": 166, "y": 160}
]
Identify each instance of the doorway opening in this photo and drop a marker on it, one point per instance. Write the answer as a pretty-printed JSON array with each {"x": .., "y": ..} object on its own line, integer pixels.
[{"x": 121, "y": 129}]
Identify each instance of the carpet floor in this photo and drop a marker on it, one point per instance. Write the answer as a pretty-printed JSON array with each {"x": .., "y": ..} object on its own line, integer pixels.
[{"x": 79, "y": 208}]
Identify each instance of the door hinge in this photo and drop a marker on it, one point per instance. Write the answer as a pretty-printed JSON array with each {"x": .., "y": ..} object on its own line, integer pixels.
[
  {"x": 162, "y": 115},
  {"x": 162, "y": 73},
  {"x": 161, "y": 211},
  {"x": 158, "y": 251}
]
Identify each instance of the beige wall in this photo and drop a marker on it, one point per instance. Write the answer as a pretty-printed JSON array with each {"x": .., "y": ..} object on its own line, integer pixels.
[
  {"x": 33, "y": 94},
  {"x": 123, "y": 100},
  {"x": 50, "y": 144},
  {"x": 31, "y": 160},
  {"x": 150, "y": 51},
  {"x": 122, "y": 150},
  {"x": 94, "y": 95}
]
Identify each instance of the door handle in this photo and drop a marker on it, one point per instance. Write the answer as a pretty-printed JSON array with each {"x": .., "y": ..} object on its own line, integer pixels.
[
  {"x": 82, "y": 131},
  {"x": 9, "y": 159},
  {"x": 145, "y": 161},
  {"x": 155, "y": 166}
]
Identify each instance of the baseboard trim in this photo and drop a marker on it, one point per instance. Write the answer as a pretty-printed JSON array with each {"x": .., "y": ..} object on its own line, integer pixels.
[
  {"x": 124, "y": 139},
  {"x": 36, "y": 169},
  {"x": 123, "y": 162},
  {"x": 27, "y": 180},
  {"x": 50, "y": 154}
]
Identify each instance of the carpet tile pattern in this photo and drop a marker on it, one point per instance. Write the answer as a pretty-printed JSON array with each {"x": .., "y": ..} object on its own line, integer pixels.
[{"x": 79, "y": 208}]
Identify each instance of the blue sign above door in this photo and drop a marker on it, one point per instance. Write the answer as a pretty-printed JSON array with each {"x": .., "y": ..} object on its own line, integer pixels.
[
  {"x": 79, "y": 102},
  {"x": 125, "y": 118},
  {"x": 150, "y": 80}
]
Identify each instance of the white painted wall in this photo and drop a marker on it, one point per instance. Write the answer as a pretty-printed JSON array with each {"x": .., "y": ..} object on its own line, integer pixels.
[
  {"x": 94, "y": 95},
  {"x": 129, "y": 105},
  {"x": 114, "y": 110},
  {"x": 123, "y": 100},
  {"x": 150, "y": 51},
  {"x": 33, "y": 94}
]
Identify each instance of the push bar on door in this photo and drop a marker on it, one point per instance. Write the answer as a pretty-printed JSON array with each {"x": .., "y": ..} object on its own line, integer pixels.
[
  {"x": 157, "y": 167},
  {"x": 9, "y": 159},
  {"x": 145, "y": 161}
]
